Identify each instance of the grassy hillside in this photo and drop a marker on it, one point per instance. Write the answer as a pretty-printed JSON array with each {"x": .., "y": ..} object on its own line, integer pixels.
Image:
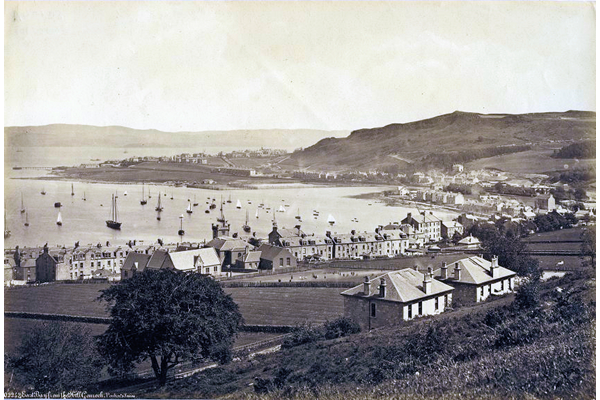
[
  {"x": 534, "y": 347},
  {"x": 448, "y": 135}
]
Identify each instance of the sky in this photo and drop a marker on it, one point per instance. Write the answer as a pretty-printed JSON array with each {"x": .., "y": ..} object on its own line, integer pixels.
[{"x": 194, "y": 66}]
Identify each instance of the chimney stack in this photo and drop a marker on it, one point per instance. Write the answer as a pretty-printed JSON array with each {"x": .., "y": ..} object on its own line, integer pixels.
[
  {"x": 366, "y": 286},
  {"x": 427, "y": 283},
  {"x": 444, "y": 271},
  {"x": 494, "y": 270},
  {"x": 382, "y": 285},
  {"x": 457, "y": 271}
]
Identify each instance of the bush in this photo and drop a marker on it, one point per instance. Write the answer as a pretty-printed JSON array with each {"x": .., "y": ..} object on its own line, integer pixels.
[
  {"x": 303, "y": 334},
  {"x": 528, "y": 295},
  {"x": 58, "y": 356},
  {"x": 342, "y": 326}
]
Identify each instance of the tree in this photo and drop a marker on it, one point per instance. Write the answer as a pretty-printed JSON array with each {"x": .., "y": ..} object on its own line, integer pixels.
[
  {"x": 588, "y": 245},
  {"x": 57, "y": 356},
  {"x": 168, "y": 317}
]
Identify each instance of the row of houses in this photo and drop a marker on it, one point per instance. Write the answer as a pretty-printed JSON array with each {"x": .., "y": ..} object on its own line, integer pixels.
[{"x": 407, "y": 294}]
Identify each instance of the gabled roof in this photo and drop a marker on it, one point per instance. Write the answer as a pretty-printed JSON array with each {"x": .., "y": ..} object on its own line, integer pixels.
[
  {"x": 469, "y": 240},
  {"x": 139, "y": 258},
  {"x": 189, "y": 259},
  {"x": 401, "y": 286},
  {"x": 270, "y": 252},
  {"x": 452, "y": 224},
  {"x": 226, "y": 243},
  {"x": 160, "y": 259},
  {"x": 252, "y": 256},
  {"x": 474, "y": 270}
]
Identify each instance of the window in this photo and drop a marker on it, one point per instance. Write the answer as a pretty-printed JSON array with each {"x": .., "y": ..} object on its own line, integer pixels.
[
  {"x": 409, "y": 311},
  {"x": 373, "y": 310},
  {"x": 208, "y": 270},
  {"x": 281, "y": 262},
  {"x": 503, "y": 285},
  {"x": 446, "y": 301},
  {"x": 437, "y": 303},
  {"x": 287, "y": 261},
  {"x": 216, "y": 269},
  {"x": 420, "y": 308},
  {"x": 125, "y": 274}
]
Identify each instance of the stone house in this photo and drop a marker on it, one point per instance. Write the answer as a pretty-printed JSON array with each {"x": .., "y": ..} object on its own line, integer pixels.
[
  {"x": 273, "y": 257},
  {"x": 396, "y": 297},
  {"x": 475, "y": 279}
]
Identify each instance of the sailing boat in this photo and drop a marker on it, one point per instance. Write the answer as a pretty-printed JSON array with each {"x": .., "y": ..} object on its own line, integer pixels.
[
  {"x": 113, "y": 222},
  {"x": 171, "y": 196},
  {"x": 281, "y": 208},
  {"x": 84, "y": 199},
  {"x": 195, "y": 203},
  {"x": 22, "y": 206},
  {"x": 72, "y": 192},
  {"x": 143, "y": 201},
  {"x": 159, "y": 208},
  {"x": 257, "y": 213},
  {"x": 189, "y": 208},
  {"x": 181, "y": 232},
  {"x": 43, "y": 192},
  {"x": 238, "y": 205},
  {"x": 59, "y": 219},
  {"x": 229, "y": 200},
  {"x": 6, "y": 231},
  {"x": 26, "y": 219},
  {"x": 222, "y": 217},
  {"x": 298, "y": 215},
  {"x": 149, "y": 195},
  {"x": 330, "y": 219},
  {"x": 246, "y": 227}
]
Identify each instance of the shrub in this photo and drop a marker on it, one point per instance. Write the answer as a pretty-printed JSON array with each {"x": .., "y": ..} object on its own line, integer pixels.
[
  {"x": 528, "y": 295},
  {"x": 302, "y": 334},
  {"x": 340, "y": 327}
]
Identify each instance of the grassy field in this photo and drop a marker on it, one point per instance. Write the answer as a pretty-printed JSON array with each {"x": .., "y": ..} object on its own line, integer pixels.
[
  {"x": 259, "y": 306},
  {"x": 563, "y": 234},
  {"x": 528, "y": 162},
  {"x": 288, "y": 306}
]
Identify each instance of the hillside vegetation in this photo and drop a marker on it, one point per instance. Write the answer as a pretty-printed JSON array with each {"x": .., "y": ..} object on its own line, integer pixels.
[
  {"x": 538, "y": 346},
  {"x": 459, "y": 137}
]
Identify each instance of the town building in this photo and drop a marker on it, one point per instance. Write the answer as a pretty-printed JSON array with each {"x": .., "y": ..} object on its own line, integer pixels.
[
  {"x": 274, "y": 257},
  {"x": 302, "y": 245},
  {"x": 449, "y": 228},
  {"x": 426, "y": 223},
  {"x": 469, "y": 243},
  {"x": 475, "y": 279},
  {"x": 249, "y": 261},
  {"x": 396, "y": 297},
  {"x": 545, "y": 202},
  {"x": 203, "y": 261},
  {"x": 229, "y": 249}
]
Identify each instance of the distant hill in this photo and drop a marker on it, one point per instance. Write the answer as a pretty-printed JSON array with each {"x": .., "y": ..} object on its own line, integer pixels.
[
  {"x": 63, "y": 135},
  {"x": 456, "y": 137}
]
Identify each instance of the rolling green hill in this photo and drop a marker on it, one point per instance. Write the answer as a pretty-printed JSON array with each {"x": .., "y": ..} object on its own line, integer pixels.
[{"x": 455, "y": 137}]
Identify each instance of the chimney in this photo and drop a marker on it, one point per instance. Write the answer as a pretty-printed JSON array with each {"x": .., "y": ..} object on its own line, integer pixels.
[
  {"x": 353, "y": 232},
  {"x": 457, "y": 271},
  {"x": 427, "y": 283},
  {"x": 444, "y": 271},
  {"x": 430, "y": 271},
  {"x": 382, "y": 288},
  {"x": 215, "y": 231},
  {"x": 409, "y": 218},
  {"x": 494, "y": 270},
  {"x": 366, "y": 286}
]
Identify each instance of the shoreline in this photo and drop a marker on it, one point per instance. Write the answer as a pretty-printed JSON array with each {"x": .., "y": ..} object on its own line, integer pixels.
[{"x": 233, "y": 186}]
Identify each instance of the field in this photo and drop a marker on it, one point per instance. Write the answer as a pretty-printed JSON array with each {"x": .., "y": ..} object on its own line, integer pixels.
[
  {"x": 159, "y": 173},
  {"x": 259, "y": 306},
  {"x": 563, "y": 234},
  {"x": 528, "y": 162},
  {"x": 288, "y": 306}
]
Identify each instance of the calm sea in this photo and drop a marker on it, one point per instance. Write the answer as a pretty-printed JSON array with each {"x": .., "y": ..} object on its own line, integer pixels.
[{"x": 84, "y": 221}]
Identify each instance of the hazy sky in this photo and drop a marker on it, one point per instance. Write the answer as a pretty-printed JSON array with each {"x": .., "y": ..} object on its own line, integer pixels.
[{"x": 325, "y": 65}]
